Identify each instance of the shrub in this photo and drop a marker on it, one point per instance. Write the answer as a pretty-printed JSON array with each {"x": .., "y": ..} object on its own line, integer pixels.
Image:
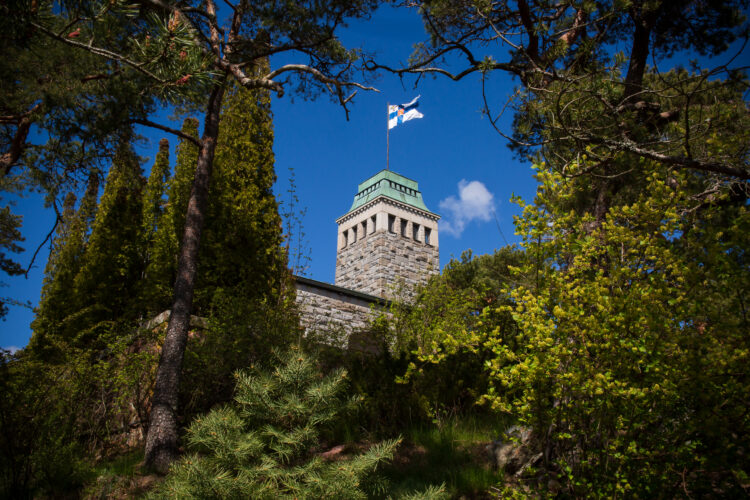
[{"x": 264, "y": 445}]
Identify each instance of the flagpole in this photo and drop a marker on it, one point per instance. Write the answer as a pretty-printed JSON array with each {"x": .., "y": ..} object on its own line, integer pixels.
[{"x": 387, "y": 134}]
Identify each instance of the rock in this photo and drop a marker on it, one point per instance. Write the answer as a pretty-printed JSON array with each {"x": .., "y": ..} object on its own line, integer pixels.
[
  {"x": 334, "y": 453},
  {"x": 513, "y": 451}
]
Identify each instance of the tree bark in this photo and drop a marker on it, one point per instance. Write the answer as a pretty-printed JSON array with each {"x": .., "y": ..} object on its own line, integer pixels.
[
  {"x": 162, "y": 438},
  {"x": 17, "y": 145},
  {"x": 638, "y": 53}
]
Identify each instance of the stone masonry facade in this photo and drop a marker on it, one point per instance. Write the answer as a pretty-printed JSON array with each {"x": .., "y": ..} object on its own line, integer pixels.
[
  {"x": 336, "y": 312},
  {"x": 386, "y": 244}
]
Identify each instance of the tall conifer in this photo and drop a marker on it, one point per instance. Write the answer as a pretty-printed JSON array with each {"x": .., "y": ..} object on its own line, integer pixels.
[
  {"x": 111, "y": 267},
  {"x": 162, "y": 265},
  {"x": 242, "y": 235},
  {"x": 63, "y": 266},
  {"x": 62, "y": 233},
  {"x": 153, "y": 195},
  {"x": 152, "y": 220},
  {"x": 242, "y": 268}
]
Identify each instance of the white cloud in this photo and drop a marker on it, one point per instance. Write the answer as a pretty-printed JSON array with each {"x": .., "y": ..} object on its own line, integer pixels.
[
  {"x": 474, "y": 202},
  {"x": 12, "y": 349}
]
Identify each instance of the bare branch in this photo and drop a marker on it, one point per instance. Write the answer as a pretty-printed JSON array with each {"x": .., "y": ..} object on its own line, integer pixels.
[
  {"x": 178, "y": 133},
  {"x": 675, "y": 161},
  {"x": 58, "y": 218},
  {"x": 303, "y": 68}
]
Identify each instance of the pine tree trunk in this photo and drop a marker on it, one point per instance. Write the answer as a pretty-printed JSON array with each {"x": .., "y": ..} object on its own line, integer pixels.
[
  {"x": 162, "y": 438},
  {"x": 638, "y": 52}
]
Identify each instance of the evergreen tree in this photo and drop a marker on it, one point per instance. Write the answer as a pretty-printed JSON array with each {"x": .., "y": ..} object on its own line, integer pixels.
[
  {"x": 64, "y": 264},
  {"x": 153, "y": 195},
  {"x": 104, "y": 288},
  {"x": 62, "y": 232},
  {"x": 263, "y": 445},
  {"x": 242, "y": 238},
  {"x": 242, "y": 268},
  {"x": 162, "y": 265},
  {"x": 182, "y": 180},
  {"x": 152, "y": 220}
]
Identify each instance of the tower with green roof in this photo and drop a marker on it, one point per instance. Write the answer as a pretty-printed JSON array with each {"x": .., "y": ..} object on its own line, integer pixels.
[{"x": 387, "y": 238}]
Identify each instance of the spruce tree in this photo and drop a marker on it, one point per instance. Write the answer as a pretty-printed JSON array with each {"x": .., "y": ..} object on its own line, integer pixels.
[{"x": 263, "y": 446}]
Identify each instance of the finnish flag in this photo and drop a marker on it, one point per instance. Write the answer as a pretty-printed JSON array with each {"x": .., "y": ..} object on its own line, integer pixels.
[{"x": 403, "y": 113}]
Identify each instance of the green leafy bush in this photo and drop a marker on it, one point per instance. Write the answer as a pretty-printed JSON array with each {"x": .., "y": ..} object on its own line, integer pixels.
[{"x": 39, "y": 452}]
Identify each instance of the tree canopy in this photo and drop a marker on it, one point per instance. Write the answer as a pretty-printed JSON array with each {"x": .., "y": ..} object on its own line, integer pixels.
[{"x": 590, "y": 82}]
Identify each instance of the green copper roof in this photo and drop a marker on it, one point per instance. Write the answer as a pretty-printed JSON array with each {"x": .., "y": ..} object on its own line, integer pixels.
[{"x": 390, "y": 184}]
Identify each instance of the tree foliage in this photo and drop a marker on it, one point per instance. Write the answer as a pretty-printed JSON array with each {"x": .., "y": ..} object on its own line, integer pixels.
[
  {"x": 628, "y": 308},
  {"x": 113, "y": 264},
  {"x": 55, "y": 304},
  {"x": 243, "y": 285},
  {"x": 590, "y": 81},
  {"x": 96, "y": 264},
  {"x": 196, "y": 55},
  {"x": 627, "y": 363},
  {"x": 241, "y": 249},
  {"x": 263, "y": 446},
  {"x": 38, "y": 450},
  {"x": 165, "y": 244},
  {"x": 104, "y": 289}
]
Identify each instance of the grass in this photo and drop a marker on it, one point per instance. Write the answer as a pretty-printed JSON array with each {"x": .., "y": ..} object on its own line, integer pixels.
[
  {"x": 450, "y": 453},
  {"x": 120, "y": 477}
]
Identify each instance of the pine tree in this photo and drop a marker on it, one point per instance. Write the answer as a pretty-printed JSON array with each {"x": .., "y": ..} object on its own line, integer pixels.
[{"x": 263, "y": 445}]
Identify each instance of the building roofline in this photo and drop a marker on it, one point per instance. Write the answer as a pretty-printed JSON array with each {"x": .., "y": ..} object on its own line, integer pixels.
[
  {"x": 386, "y": 171},
  {"x": 407, "y": 206},
  {"x": 392, "y": 185},
  {"x": 345, "y": 291}
]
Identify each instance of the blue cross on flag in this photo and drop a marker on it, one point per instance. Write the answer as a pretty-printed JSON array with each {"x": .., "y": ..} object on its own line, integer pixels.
[{"x": 402, "y": 113}]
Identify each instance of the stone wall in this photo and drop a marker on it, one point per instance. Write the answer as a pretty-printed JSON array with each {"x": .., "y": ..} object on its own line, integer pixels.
[
  {"x": 382, "y": 260},
  {"x": 336, "y": 314}
]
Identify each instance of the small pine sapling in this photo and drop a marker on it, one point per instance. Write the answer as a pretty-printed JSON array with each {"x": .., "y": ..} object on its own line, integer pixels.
[{"x": 263, "y": 446}]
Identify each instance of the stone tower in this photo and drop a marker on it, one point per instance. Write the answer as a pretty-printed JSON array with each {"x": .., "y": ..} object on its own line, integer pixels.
[{"x": 388, "y": 236}]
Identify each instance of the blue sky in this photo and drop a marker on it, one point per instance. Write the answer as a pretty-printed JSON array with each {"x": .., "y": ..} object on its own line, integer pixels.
[{"x": 453, "y": 144}]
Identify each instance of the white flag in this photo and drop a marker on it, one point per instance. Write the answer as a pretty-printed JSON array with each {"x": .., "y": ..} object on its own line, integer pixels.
[{"x": 403, "y": 113}]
